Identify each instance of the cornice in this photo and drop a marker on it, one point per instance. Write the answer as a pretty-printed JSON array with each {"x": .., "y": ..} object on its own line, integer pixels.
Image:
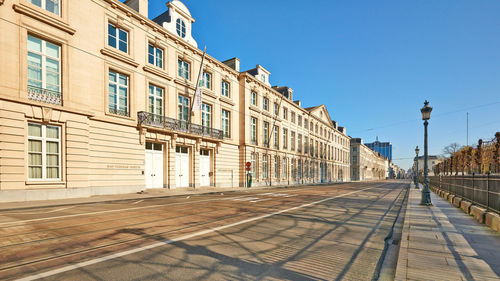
[
  {"x": 185, "y": 83},
  {"x": 227, "y": 101},
  {"x": 118, "y": 56},
  {"x": 38, "y": 15},
  {"x": 157, "y": 72}
]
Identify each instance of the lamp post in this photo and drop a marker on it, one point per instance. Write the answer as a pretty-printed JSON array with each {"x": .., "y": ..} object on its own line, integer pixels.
[
  {"x": 426, "y": 194},
  {"x": 417, "y": 150}
]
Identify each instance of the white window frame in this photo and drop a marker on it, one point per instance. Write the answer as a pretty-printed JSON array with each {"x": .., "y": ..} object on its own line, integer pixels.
[
  {"x": 183, "y": 68},
  {"x": 253, "y": 130},
  {"x": 285, "y": 113},
  {"x": 285, "y": 138},
  {"x": 206, "y": 80},
  {"x": 225, "y": 91},
  {"x": 43, "y": 5},
  {"x": 276, "y": 137},
  {"x": 276, "y": 109},
  {"x": 44, "y": 139},
  {"x": 117, "y": 37},
  {"x": 253, "y": 98},
  {"x": 226, "y": 123},
  {"x": 206, "y": 115},
  {"x": 265, "y": 133},
  {"x": 43, "y": 68},
  {"x": 118, "y": 85},
  {"x": 284, "y": 167},
  {"x": 153, "y": 93},
  {"x": 180, "y": 28},
  {"x": 276, "y": 167},
  {"x": 265, "y": 104},
  {"x": 265, "y": 166},
  {"x": 155, "y": 56}
]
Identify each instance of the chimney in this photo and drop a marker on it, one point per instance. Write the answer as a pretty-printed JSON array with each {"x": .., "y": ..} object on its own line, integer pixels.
[
  {"x": 140, "y": 6},
  {"x": 233, "y": 63}
]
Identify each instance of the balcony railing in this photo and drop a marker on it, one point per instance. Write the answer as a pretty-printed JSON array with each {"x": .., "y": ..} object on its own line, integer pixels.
[
  {"x": 160, "y": 121},
  {"x": 122, "y": 112},
  {"x": 44, "y": 95}
]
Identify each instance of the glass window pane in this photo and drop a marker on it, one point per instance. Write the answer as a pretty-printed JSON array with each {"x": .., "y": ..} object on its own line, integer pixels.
[
  {"x": 52, "y": 160},
  {"x": 35, "y": 159},
  {"x": 122, "y": 35},
  {"x": 52, "y": 6},
  {"x": 52, "y": 132},
  {"x": 112, "y": 76},
  {"x": 34, "y": 130},
  {"x": 34, "y": 44},
  {"x": 36, "y": 2},
  {"x": 34, "y": 146},
  {"x": 52, "y": 50},
  {"x": 52, "y": 173},
  {"x": 123, "y": 79},
  {"x": 123, "y": 46},
  {"x": 35, "y": 172},
  {"x": 111, "y": 41},
  {"x": 52, "y": 147}
]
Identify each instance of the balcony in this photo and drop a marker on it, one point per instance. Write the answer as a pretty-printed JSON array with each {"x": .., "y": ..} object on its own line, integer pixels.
[
  {"x": 44, "y": 95},
  {"x": 167, "y": 123}
]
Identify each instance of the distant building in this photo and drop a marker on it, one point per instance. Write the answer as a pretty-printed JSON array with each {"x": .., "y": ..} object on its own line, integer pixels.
[
  {"x": 366, "y": 164},
  {"x": 431, "y": 161},
  {"x": 384, "y": 148}
]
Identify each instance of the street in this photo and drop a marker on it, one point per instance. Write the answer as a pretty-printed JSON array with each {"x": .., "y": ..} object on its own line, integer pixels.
[{"x": 325, "y": 232}]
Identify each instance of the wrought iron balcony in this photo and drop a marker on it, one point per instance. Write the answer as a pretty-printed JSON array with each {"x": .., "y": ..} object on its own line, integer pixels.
[
  {"x": 44, "y": 95},
  {"x": 160, "y": 121}
]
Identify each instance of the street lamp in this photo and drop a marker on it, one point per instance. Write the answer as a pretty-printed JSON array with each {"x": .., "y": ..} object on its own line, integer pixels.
[
  {"x": 426, "y": 194},
  {"x": 417, "y": 150}
]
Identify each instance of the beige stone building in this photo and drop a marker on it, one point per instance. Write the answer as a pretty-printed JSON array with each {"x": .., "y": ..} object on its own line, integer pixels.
[
  {"x": 366, "y": 164},
  {"x": 285, "y": 143},
  {"x": 103, "y": 106}
]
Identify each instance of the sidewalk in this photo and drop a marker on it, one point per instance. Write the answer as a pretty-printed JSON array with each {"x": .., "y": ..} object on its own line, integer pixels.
[{"x": 442, "y": 243}]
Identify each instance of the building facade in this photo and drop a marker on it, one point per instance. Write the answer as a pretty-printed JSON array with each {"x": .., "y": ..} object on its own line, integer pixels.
[
  {"x": 384, "y": 148},
  {"x": 103, "y": 106},
  {"x": 366, "y": 164},
  {"x": 431, "y": 161}
]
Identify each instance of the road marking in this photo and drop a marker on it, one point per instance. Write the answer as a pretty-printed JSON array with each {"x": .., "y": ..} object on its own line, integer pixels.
[
  {"x": 19, "y": 222},
  {"x": 137, "y": 202},
  {"x": 37, "y": 213},
  {"x": 246, "y": 199},
  {"x": 258, "y": 200},
  {"x": 167, "y": 242}
]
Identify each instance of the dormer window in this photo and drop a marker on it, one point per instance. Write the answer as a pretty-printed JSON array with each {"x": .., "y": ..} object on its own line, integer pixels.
[
  {"x": 180, "y": 27},
  {"x": 263, "y": 78}
]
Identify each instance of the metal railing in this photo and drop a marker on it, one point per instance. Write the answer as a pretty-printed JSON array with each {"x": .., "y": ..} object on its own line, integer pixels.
[
  {"x": 121, "y": 112},
  {"x": 160, "y": 121},
  {"x": 44, "y": 95},
  {"x": 482, "y": 190}
]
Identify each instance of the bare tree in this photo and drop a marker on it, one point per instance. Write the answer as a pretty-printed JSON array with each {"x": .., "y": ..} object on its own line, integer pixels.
[{"x": 451, "y": 148}]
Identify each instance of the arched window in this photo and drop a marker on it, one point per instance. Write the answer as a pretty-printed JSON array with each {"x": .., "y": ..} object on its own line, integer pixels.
[{"x": 181, "y": 28}]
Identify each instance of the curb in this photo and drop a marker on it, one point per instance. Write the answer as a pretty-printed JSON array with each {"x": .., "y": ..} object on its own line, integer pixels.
[{"x": 480, "y": 214}]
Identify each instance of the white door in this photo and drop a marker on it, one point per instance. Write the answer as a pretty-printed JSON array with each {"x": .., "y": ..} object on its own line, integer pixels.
[
  {"x": 204, "y": 167},
  {"x": 154, "y": 165},
  {"x": 181, "y": 167}
]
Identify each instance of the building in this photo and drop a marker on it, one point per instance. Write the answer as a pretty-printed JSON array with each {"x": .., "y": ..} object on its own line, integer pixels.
[
  {"x": 103, "y": 106},
  {"x": 384, "y": 148},
  {"x": 431, "y": 161},
  {"x": 366, "y": 164}
]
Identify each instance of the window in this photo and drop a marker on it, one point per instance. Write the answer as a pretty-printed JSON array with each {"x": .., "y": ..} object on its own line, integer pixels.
[
  {"x": 206, "y": 116},
  {"x": 118, "y": 93},
  {"x": 292, "y": 117},
  {"x": 44, "y": 152},
  {"x": 252, "y": 166},
  {"x": 183, "y": 69},
  {"x": 284, "y": 168},
  {"x": 305, "y": 123},
  {"x": 276, "y": 109},
  {"x": 225, "y": 89},
  {"x": 276, "y": 167},
  {"x": 155, "y": 100},
  {"x": 206, "y": 80},
  {"x": 117, "y": 38},
  {"x": 285, "y": 138},
  {"x": 155, "y": 56},
  {"x": 276, "y": 137},
  {"x": 265, "y": 134},
  {"x": 292, "y": 141},
  {"x": 265, "y": 166},
  {"x": 253, "y": 98},
  {"x": 265, "y": 104},
  {"x": 293, "y": 170},
  {"x": 44, "y": 66},
  {"x": 183, "y": 109},
  {"x": 299, "y": 169},
  {"x": 180, "y": 27},
  {"x": 225, "y": 123},
  {"x": 285, "y": 113},
  {"x": 49, "y": 5},
  {"x": 253, "y": 130},
  {"x": 299, "y": 120}
]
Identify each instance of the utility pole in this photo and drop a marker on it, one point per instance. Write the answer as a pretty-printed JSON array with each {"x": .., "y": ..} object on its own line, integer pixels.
[{"x": 467, "y": 142}]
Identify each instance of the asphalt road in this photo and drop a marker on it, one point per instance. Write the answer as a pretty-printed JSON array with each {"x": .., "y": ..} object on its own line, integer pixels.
[{"x": 333, "y": 232}]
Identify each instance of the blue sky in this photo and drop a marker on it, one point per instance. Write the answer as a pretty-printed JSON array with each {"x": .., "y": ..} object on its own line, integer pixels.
[{"x": 372, "y": 63}]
